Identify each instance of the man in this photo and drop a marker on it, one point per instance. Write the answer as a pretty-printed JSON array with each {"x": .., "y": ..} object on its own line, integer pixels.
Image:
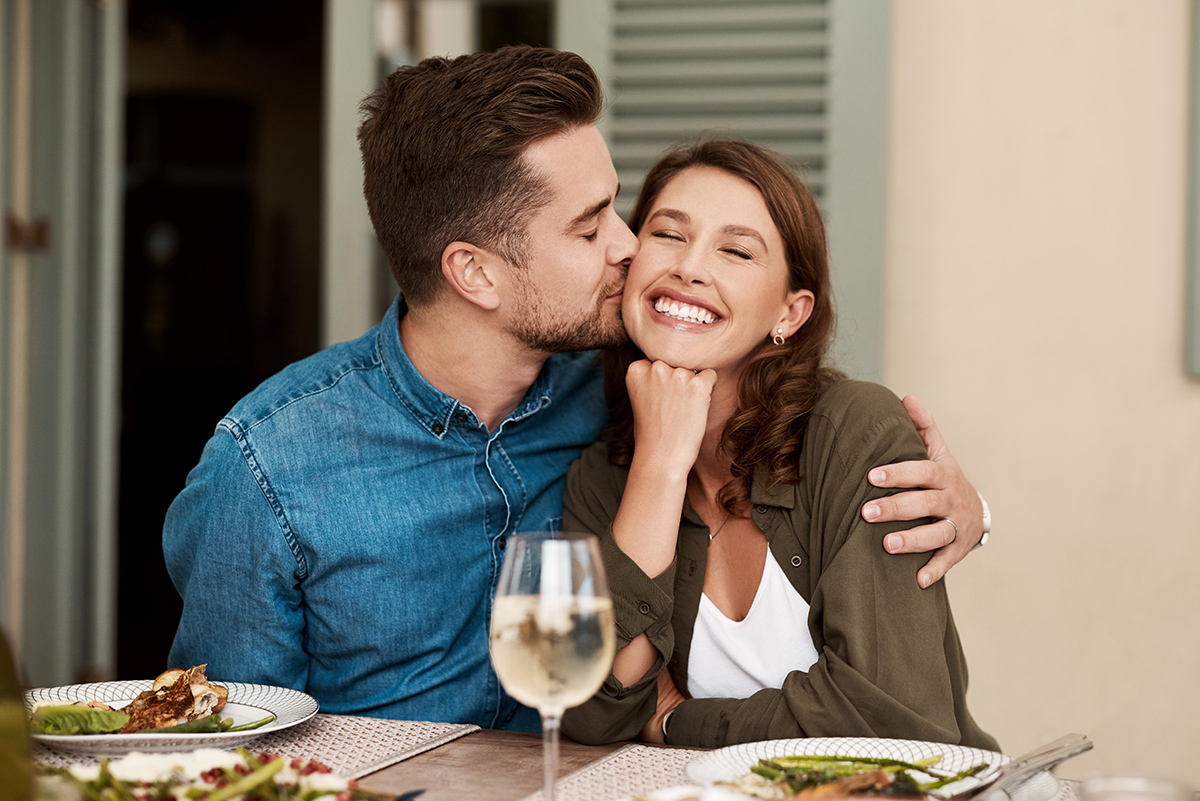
[{"x": 344, "y": 529}]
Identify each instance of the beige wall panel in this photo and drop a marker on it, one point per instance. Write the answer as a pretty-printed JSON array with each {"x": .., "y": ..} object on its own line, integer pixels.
[{"x": 1036, "y": 241}]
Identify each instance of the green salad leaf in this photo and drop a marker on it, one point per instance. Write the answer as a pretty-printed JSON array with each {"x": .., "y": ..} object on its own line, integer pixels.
[{"x": 69, "y": 719}]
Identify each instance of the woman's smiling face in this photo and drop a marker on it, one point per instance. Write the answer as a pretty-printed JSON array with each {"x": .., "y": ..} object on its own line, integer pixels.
[{"x": 710, "y": 281}]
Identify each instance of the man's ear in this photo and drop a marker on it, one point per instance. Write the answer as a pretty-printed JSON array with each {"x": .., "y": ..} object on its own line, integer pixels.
[{"x": 469, "y": 269}]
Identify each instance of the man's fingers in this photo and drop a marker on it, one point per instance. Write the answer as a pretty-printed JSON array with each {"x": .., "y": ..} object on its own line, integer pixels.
[
  {"x": 940, "y": 535},
  {"x": 937, "y": 534},
  {"x": 934, "y": 569},
  {"x": 921, "y": 473},
  {"x": 903, "y": 506},
  {"x": 931, "y": 436},
  {"x": 920, "y": 416},
  {"x": 944, "y": 493}
]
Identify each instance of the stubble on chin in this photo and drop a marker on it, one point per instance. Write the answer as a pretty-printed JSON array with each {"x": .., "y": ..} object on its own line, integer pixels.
[{"x": 538, "y": 329}]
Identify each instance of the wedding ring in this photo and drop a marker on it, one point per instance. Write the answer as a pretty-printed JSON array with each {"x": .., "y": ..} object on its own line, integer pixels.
[{"x": 951, "y": 522}]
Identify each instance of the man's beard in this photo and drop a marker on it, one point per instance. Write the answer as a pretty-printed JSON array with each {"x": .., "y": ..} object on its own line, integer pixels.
[{"x": 537, "y": 326}]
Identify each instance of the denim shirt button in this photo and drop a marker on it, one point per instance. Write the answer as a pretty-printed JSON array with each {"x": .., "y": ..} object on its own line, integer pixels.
[
  {"x": 502, "y": 543},
  {"x": 644, "y": 608},
  {"x": 438, "y": 428},
  {"x": 461, "y": 417}
]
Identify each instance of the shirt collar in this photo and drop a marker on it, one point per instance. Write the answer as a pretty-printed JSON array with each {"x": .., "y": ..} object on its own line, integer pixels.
[
  {"x": 781, "y": 495},
  {"x": 429, "y": 406}
]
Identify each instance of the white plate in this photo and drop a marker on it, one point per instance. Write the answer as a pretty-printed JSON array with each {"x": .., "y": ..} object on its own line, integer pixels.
[
  {"x": 733, "y": 762},
  {"x": 689, "y": 793},
  {"x": 247, "y": 703}
]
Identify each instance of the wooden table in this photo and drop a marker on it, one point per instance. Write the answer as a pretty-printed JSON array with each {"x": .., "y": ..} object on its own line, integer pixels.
[{"x": 486, "y": 764}]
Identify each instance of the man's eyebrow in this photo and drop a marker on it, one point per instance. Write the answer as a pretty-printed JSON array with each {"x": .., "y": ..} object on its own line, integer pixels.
[{"x": 589, "y": 213}]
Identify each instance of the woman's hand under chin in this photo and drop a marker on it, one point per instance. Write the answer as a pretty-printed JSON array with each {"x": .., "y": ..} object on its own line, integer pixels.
[{"x": 670, "y": 411}]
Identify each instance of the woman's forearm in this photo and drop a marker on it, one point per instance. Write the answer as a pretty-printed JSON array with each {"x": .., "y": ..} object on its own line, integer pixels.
[
  {"x": 634, "y": 660},
  {"x": 670, "y": 408},
  {"x": 646, "y": 526}
]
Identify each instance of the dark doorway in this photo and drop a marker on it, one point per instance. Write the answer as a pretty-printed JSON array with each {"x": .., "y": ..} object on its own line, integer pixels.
[
  {"x": 222, "y": 210},
  {"x": 515, "y": 22}
]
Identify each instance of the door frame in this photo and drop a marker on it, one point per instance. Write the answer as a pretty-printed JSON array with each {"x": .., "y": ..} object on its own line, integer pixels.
[{"x": 59, "y": 333}]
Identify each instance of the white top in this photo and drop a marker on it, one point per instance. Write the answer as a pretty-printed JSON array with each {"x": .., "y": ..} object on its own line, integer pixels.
[{"x": 735, "y": 659}]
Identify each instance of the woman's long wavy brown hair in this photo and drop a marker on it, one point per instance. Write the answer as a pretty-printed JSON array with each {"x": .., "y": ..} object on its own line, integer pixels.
[{"x": 780, "y": 383}]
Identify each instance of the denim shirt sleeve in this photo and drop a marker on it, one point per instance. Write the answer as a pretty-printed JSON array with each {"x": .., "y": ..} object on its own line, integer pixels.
[{"x": 243, "y": 611}]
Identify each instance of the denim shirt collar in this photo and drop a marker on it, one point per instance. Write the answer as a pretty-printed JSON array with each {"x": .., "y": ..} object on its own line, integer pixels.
[{"x": 433, "y": 409}]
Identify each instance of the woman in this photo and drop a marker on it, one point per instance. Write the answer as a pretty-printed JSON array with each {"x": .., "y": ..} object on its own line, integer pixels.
[{"x": 736, "y": 553}]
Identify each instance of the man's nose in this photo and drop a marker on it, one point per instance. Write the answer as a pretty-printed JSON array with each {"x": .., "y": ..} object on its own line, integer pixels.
[{"x": 624, "y": 245}]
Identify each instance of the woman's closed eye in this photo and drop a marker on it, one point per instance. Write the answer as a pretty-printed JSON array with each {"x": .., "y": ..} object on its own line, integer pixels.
[
  {"x": 738, "y": 252},
  {"x": 665, "y": 234}
]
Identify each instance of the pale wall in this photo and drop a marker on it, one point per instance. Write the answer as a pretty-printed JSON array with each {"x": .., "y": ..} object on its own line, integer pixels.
[{"x": 1034, "y": 300}]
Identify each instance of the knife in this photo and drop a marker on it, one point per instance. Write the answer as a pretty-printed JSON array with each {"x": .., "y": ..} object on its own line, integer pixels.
[
  {"x": 1041, "y": 758},
  {"x": 409, "y": 796}
]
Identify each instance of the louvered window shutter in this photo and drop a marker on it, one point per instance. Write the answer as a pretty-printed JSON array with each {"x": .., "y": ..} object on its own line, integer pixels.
[{"x": 756, "y": 69}]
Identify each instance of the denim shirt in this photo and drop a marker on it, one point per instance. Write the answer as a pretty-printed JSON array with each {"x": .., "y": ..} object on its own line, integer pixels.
[{"x": 344, "y": 530}]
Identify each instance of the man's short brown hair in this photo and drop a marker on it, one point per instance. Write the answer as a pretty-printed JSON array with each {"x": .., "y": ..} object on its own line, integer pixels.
[{"x": 441, "y": 145}]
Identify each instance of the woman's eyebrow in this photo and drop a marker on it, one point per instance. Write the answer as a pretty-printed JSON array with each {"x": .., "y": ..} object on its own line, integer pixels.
[
  {"x": 674, "y": 214},
  {"x": 741, "y": 230},
  {"x": 682, "y": 217}
]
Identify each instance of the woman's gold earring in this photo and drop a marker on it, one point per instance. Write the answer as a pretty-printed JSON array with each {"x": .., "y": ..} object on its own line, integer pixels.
[{"x": 778, "y": 338}]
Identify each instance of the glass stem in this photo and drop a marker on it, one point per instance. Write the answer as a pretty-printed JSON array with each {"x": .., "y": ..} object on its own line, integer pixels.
[{"x": 549, "y": 755}]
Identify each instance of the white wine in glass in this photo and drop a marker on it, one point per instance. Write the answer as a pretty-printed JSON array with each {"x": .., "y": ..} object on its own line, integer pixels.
[{"x": 552, "y": 636}]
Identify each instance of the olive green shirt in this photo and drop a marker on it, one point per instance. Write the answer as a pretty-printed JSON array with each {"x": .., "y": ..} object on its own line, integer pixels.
[{"x": 890, "y": 662}]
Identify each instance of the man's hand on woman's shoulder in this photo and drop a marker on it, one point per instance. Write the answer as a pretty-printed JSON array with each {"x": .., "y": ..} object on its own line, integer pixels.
[{"x": 943, "y": 493}]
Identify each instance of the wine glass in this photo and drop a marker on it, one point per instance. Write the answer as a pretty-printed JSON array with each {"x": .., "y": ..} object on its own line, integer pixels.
[{"x": 552, "y": 635}]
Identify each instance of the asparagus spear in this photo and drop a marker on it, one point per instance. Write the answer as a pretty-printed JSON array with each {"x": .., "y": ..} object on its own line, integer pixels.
[
  {"x": 800, "y": 772},
  {"x": 255, "y": 725}
]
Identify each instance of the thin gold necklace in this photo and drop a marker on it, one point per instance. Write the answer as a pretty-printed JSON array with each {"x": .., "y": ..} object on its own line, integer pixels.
[{"x": 712, "y": 534}]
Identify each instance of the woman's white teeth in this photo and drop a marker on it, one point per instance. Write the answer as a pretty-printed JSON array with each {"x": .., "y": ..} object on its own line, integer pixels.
[{"x": 684, "y": 311}]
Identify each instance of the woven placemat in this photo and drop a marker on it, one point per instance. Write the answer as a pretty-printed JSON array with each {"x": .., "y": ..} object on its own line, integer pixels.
[
  {"x": 351, "y": 746},
  {"x": 625, "y": 772}
]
